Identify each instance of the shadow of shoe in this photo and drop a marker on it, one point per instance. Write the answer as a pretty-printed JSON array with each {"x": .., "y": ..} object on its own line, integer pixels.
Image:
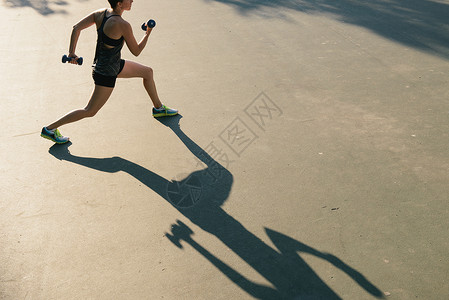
[
  {"x": 171, "y": 122},
  {"x": 60, "y": 151}
]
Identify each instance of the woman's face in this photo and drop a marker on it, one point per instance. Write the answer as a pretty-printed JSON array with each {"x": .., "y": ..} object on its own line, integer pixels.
[{"x": 126, "y": 4}]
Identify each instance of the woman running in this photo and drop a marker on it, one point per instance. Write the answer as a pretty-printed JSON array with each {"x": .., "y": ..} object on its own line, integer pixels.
[{"x": 112, "y": 31}]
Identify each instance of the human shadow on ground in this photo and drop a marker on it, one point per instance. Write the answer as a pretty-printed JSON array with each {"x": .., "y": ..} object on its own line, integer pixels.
[
  {"x": 199, "y": 198},
  {"x": 421, "y": 24},
  {"x": 41, "y": 6}
]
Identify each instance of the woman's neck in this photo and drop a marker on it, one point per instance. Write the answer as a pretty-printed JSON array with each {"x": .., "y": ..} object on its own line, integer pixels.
[{"x": 116, "y": 11}]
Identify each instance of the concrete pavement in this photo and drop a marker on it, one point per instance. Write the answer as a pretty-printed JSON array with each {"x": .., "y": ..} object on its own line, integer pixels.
[{"x": 310, "y": 161}]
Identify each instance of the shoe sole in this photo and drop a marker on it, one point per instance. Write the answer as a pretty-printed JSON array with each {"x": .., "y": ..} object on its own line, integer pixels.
[
  {"x": 52, "y": 139},
  {"x": 164, "y": 115}
]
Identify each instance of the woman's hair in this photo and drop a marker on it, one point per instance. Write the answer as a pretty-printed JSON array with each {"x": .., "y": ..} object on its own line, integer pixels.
[{"x": 114, "y": 3}]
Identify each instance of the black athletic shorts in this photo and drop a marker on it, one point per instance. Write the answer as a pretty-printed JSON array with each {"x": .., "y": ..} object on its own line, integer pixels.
[{"x": 107, "y": 81}]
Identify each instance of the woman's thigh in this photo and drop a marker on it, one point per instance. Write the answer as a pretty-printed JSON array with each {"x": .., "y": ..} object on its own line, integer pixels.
[
  {"x": 98, "y": 98},
  {"x": 133, "y": 69}
]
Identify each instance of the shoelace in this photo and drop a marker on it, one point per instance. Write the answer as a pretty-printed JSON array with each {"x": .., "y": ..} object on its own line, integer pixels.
[
  {"x": 162, "y": 108},
  {"x": 57, "y": 133}
]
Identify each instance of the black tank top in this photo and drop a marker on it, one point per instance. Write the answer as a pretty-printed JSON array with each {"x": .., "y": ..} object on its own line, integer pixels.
[{"x": 107, "y": 59}]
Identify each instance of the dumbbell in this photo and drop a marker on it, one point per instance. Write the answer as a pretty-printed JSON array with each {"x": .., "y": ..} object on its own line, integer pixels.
[
  {"x": 65, "y": 59},
  {"x": 151, "y": 23}
]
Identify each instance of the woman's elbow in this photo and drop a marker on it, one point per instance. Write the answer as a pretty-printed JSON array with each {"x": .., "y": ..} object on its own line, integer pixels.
[
  {"x": 136, "y": 52},
  {"x": 76, "y": 28}
]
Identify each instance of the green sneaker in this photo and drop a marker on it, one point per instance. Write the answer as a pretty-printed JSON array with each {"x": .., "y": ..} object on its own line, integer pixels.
[
  {"x": 164, "y": 111},
  {"x": 55, "y": 136}
]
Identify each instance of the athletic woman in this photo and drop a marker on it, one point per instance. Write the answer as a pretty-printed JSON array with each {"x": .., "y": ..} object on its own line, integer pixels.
[{"x": 113, "y": 31}]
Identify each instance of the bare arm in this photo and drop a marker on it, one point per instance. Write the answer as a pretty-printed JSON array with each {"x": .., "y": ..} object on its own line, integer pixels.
[
  {"x": 133, "y": 46},
  {"x": 83, "y": 24}
]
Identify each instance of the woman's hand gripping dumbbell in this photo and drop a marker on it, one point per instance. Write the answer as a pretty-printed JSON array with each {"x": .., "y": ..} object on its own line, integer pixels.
[
  {"x": 65, "y": 59},
  {"x": 151, "y": 23}
]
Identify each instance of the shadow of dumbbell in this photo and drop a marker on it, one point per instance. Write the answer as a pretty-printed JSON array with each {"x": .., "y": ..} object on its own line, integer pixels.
[{"x": 180, "y": 231}]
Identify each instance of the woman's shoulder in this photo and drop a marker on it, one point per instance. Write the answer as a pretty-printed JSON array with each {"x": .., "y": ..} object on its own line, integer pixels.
[
  {"x": 121, "y": 22},
  {"x": 100, "y": 11},
  {"x": 98, "y": 14}
]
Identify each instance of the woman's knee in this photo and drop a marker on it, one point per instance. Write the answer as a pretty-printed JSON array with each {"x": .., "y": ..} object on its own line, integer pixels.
[
  {"x": 148, "y": 73},
  {"x": 89, "y": 112}
]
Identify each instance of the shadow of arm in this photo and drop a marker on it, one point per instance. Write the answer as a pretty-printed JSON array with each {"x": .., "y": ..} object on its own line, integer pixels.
[
  {"x": 288, "y": 245},
  {"x": 180, "y": 231}
]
